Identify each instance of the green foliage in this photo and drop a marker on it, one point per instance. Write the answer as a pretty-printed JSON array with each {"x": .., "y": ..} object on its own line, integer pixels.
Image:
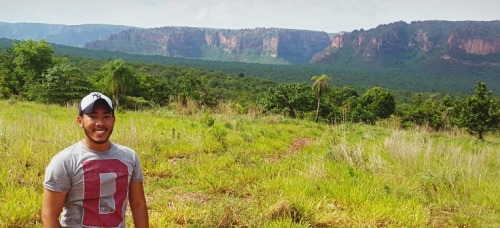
[
  {"x": 341, "y": 96},
  {"x": 379, "y": 102},
  {"x": 9, "y": 80},
  {"x": 341, "y": 102},
  {"x": 479, "y": 113},
  {"x": 32, "y": 59},
  {"x": 149, "y": 86},
  {"x": 320, "y": 87},
  {"x": 223, "y": 86},
  {"x": 208, "y": 121},
  {"x": 5, "y": 91},
  {"x": 187, "y": 86},
  {"x": 120, "y": 79},
  {"x": 61, "y": 84},
  {"x": 154, "y": 88},
  {"x": 408, "y": 73},
  {"x": 432, "y": 112},
  {"x": 136, "y": 103},
  {"x": 413, "y": 75},
  {"x": 289, "y": 99}
]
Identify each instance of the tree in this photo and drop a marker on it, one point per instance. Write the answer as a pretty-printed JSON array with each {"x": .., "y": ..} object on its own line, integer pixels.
[
  {"x": 289, "y": 99},
  {"x": 32, "y": 58},
  {"x": 378, "y": 103},
  {"x": 119, "y": 78},
  {"x": 62, "y": 83},
  {"x": 320, "y": 87},
  {"x": 155, "y": 88},
  {"x": 5, "y": 92},
  {"x": 479, "y": 113},
  {"x": 431, "y": 112},
  {"x": 342, "y": 101},
  {"x": 188, "y": 86},
  {"x": 9, "y": 80}
]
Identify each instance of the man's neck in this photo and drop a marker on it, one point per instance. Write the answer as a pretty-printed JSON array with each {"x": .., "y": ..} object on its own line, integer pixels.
[{"x": 100, "y": 147}]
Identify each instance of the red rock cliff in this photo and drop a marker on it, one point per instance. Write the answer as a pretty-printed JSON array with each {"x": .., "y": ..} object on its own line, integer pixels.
[
  {"x": 294, "y": 46},
  {"x": 474, "y": 45},
  {"x": 427, "y": 38}
]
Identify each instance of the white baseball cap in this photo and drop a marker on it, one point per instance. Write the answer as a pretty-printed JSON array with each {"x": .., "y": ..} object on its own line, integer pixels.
[{"x": 87, "y": 104}]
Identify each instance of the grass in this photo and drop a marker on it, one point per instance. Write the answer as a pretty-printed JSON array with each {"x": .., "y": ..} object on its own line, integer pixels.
[{"x": 222, "y": 169}]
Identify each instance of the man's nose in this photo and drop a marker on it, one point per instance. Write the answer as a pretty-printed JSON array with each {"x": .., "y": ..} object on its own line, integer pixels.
[{"x": 99, "y": 121}]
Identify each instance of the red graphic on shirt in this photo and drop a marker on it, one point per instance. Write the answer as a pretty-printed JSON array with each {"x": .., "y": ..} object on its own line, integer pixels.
[{"x": 92, "y": 216}]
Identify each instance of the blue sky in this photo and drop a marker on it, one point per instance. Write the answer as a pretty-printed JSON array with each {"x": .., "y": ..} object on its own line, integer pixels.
[{"x": 320, "y": 15}]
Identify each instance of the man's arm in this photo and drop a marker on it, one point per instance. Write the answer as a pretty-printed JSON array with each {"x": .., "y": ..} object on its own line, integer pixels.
[
  {"x": 52, "y": 205},
  {"x": 138, "y": 205}
]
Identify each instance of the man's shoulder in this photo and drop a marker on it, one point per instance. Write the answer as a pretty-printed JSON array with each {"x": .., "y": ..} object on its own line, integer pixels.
[
  {"x": 70, "y": 149},
  {"x": 123, "y": 148},
  {"x": 64, "y": 158}
]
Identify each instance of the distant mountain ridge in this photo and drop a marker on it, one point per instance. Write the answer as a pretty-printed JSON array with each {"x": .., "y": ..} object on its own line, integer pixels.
[
  {"x": 265, "y": 45},
  {"x": 423, "y": 47},
  {"x": 70, "y": 35},
  {"x": 458, "y": 42},
  {"x": 434, "y": 56},
  {"x": 466, "y": 42}
]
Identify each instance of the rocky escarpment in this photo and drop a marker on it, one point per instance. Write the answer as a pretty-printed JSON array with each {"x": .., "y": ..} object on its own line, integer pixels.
[
  {"x": 463, "y": 42},
  {"x": 439, "y": 39},
  {"x": 246, "y": 45},
  {"x": 473, "y": 45},
  {"x": 372, "y": 43}
]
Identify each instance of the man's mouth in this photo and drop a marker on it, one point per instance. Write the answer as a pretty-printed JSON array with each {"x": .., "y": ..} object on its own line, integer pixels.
[{"x": 100, "y": 131}]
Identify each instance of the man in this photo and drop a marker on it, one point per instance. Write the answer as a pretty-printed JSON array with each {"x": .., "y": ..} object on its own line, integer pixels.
[{"x": 90, "y": 183}]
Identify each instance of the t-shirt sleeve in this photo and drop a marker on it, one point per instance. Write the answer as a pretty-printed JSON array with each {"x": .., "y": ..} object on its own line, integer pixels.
[
  {"x": 56, "y": 176},
  {"x": 137, "y": 175}
]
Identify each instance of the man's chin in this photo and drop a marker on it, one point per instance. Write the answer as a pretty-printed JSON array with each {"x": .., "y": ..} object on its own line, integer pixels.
[{"x": 100, "y": 141}]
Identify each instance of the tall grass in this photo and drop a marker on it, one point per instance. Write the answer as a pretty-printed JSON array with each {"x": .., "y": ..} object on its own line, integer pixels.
[{"x": 223, "y": 169}]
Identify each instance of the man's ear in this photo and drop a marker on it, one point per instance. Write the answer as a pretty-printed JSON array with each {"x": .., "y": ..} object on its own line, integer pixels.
[{"x": 79, "y": 120}]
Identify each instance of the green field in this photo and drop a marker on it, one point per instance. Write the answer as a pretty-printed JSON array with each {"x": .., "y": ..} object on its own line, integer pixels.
[{"x": 223, "y": 169}]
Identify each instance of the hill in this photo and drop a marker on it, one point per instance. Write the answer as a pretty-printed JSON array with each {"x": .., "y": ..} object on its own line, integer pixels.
[
  {"x": 467, "y": 42},
  {"x": 439, "y": 76},
  {"x": 399, "y": 43},
  {"x": 423, "y": 56},
  {"x": 70, "y": 35},
  {"x": 259, "y": 45}
]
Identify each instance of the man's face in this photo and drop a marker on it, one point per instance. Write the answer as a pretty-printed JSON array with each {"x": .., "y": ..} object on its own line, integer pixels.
[{"x": 97, "y": 125}]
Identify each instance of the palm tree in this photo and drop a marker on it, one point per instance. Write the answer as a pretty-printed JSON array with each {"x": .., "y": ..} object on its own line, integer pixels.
[
  {"x": 119, "y": 76},
  {"x": 320, "y": 87}
]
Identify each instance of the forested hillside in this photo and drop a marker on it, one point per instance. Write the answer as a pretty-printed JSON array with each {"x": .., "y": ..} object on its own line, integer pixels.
[
  {"x": 422, "y": 56},
  {"x": 439, "y": 76},
  {"x": 259, "y": 45},
  {"x": 30, "y": 70},
  {"x": 436, "y": 76}
]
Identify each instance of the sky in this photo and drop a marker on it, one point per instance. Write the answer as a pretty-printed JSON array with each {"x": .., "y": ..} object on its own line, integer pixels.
[{"x": 319, "y": 15}]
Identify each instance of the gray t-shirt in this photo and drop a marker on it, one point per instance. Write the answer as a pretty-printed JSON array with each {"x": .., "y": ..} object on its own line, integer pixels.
[{"x": 97, "y": 184}]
